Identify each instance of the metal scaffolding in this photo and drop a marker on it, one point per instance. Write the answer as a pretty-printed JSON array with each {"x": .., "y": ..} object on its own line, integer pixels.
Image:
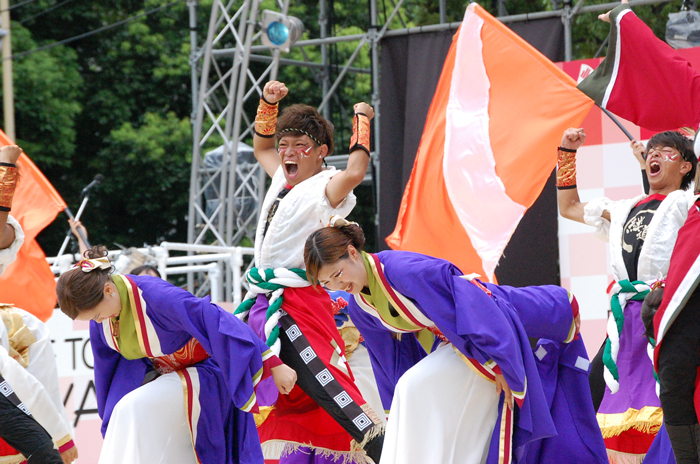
[{"x": 226, "y": 185}]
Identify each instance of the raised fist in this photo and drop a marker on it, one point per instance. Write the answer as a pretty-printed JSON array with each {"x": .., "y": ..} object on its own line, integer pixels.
[
  {"x": 274, "y": 91},
  {"x": 10, "y": 154},
  {"x": 364, "y": 108},
  {"x": 573, "y": 138}
]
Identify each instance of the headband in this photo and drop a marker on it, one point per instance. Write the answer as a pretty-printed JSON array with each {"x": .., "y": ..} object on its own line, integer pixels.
[
  {"x": 339, "y": 221},
  {"x": 87, "y": 265},
  {"x": 290, "y": 129}
]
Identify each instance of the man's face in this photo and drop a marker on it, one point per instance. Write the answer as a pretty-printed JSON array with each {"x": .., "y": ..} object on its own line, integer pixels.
[
  {"x": 665, "y": 167},
  {"x": 301, "y": 158}
]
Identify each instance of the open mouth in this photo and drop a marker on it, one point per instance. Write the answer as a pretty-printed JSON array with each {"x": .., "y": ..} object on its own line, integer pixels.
[
  {"x": 349, "y": 288},
  {"x": 291, "y": 168},
  {"x": 654, "y": 167}
]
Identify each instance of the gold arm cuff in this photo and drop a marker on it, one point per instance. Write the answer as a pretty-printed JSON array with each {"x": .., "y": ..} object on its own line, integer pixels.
[
  {"x": 266, "y": 119},
  {"x": 360, "y": 133},
  {"x": 566, "y": 169},
  {"x": 8, "y": 183}
]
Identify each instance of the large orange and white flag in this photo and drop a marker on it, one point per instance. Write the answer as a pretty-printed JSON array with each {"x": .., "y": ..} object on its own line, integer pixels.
[
  {"x": 28, "y": 283},
  {"x": 488, "y": 146}
]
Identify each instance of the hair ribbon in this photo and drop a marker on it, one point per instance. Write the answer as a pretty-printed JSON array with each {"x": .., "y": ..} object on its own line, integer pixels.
[
  {"x": 339, "y": 221},
  {"x": 88, "y": 265}
]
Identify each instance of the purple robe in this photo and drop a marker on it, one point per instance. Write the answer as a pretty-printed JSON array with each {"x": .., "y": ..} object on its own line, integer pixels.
[
  {"x": 225, "y": 434},
  {"x": 482, "y": 327},
  {"x": 637, "y": 383},
  {"x": 660, "y": 451},
  {"x": 564, "y": 369}
]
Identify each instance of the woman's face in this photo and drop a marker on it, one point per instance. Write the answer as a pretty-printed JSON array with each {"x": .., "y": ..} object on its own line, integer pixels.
[
  {"x": 347, "y": 274},
  {"x": 109, "y": 307}
]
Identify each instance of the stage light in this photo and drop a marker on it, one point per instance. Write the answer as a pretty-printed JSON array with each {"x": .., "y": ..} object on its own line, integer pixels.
[{"x": 280, "y": 31}]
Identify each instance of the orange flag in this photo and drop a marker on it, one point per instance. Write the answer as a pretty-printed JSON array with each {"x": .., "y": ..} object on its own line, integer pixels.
[
  {"x": 488, "y": 146},
  {"x": 28, "y": 283}
]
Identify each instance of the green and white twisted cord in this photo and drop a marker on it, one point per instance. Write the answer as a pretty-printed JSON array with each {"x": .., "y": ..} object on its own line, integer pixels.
[
  {"x": 623, "y": 291},
  {"x": 272, "y": 281}
]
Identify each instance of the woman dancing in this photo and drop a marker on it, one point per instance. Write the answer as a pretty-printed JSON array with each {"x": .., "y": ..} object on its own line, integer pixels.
[
  {"x": 175, "y": 375},
  {"x": 483, "y": 375}
]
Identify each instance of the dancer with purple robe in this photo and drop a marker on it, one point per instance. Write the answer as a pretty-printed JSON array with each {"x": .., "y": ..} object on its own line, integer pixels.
[
  {"x": 175, "y": 375},
  {"x": 445, "y": 407},
  {"x": 641, "y": 233}
]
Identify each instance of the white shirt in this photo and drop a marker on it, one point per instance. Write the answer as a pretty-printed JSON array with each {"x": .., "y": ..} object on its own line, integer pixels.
[
  {"x": 661, "y": 235},
  {"x": 304, "y": 210}
]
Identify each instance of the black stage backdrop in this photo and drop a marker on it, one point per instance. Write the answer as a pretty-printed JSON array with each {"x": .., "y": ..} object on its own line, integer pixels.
[{"x": 410, "y": 70}]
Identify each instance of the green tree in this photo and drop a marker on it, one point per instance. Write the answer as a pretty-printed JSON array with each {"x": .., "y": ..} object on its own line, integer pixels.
[
  {"x": 134, "y": 85},
  {"x": 589, "y": 33},
  {"x": 146, "y": 194},
  {"x": 47, "y": 90}
]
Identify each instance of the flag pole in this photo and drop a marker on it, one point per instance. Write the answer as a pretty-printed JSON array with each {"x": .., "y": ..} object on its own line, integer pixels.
[
  {"x": 76, "y": 218},
  {"x": 617, "y": 122}
]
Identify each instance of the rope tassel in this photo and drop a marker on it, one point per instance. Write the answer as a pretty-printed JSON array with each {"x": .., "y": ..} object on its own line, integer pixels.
[
  {"x": 623, "y": 292},
  {"x": 271, "y": 282}
]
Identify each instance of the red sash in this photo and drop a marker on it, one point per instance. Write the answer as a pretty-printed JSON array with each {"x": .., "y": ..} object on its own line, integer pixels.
[
  {"x": 187, "y": 356},
  {"x": 296, "y": 418}
]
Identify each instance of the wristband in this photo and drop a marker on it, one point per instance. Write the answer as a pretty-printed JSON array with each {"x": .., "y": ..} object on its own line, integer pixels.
[
  {"x": 360, "y": 133},
  {"x": 8, "y": 182},
  {"x": 262, "y": 97},
  {"x": 66, "y": 446},
  {"x": 266, "y": 119},
  {"x": 566, "y": 169}
]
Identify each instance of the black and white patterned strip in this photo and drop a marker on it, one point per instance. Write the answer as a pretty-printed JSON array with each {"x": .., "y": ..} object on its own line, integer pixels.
[
  {"x": 7, "y": 391},
  {"x": 323, "y": 375}
]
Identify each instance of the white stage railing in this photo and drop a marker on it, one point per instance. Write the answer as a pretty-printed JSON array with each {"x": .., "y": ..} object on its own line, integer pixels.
[{"x": 210, "y": 260}]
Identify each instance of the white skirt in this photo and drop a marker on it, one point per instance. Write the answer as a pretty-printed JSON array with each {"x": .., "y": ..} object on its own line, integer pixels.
[
  {"x": 361, "y": 367},
  {"x": 442, "y": 413},
  {"x": 149, "y": 426}
]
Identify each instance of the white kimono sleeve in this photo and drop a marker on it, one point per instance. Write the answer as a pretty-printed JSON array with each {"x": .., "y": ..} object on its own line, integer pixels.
[
  {"x": 35, "y": 397},
  {"x": 593, "y": 216},
  {"x": 8, "y": 255},
  {"x": 42, "y": 363}
]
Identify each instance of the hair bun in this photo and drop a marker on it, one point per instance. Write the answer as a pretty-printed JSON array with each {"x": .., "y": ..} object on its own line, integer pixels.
[{"x": 98, "y": 251}]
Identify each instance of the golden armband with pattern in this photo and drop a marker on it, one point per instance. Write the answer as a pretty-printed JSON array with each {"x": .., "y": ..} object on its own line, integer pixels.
[
  {"x": 8, "y": 182},
  {"x": 360, "y": 133},
  {"x": 566, "y": 168},
  {"x": 266, "y": 119}
]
